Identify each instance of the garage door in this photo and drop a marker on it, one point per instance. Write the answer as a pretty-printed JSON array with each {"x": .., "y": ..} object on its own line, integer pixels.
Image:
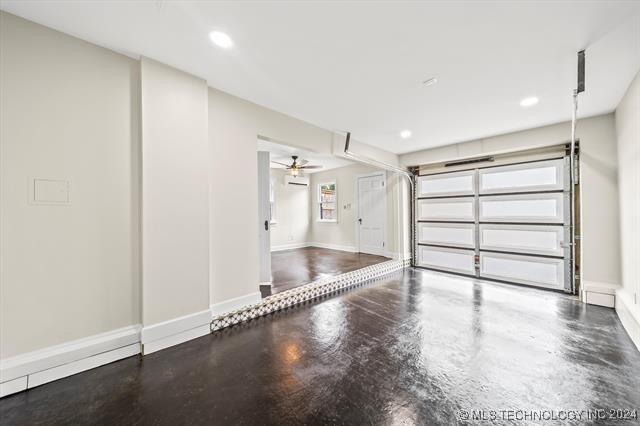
[{"x": 507, "y": 223}]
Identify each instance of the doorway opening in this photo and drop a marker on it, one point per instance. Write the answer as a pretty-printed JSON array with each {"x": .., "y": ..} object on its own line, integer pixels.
[{"x": 319, "y": 216}]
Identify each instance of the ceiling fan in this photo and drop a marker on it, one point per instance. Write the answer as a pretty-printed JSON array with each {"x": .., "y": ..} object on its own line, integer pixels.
[{"x": 295, "y": 168}]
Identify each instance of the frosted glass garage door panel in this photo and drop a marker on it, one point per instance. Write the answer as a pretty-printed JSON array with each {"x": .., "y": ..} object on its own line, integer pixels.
[
  {"x": 538, "y": 176},
  {"x": 533, "y": 239},
  {"x": 538, "y": 271},
  {"x": 447, "y": 259},
  {"x": 447, "y": 209},
  {"x": 538, "y": 208},
  {"x": 447, "y": 184},
  {"x": 456, "y": 235}
]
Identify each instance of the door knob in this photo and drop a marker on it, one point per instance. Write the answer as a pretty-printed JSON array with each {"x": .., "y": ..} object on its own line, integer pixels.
[
  {"x": 266, "y": 225},
  {"x": 360, "y": 221}
]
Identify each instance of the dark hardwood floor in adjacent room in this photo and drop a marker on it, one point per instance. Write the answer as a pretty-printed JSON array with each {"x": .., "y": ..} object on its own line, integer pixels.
[
  {"x": 291, "y": 268},
  {"x": 414, "y": 348}
]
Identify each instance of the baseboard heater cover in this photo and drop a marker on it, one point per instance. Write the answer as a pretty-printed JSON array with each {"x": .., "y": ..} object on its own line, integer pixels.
[{"x": 308, "y": 292}]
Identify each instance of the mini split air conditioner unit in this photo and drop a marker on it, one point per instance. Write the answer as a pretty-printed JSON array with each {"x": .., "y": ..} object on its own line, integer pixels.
[{"x": 296, "y": 180}]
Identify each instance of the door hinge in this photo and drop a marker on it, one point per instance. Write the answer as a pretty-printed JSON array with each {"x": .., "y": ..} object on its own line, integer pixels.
[{"x": 383, "y": 244}]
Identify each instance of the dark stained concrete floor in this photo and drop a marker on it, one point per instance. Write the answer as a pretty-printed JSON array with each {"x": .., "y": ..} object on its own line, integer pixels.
[
  {"x": 292, "y": 268},
  {"x": 414, "y": 348}
]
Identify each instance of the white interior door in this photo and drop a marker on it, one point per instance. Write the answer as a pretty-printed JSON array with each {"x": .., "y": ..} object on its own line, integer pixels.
[
  {"x": 264, "y": 213},
  {"x": 372, "y": 205}
]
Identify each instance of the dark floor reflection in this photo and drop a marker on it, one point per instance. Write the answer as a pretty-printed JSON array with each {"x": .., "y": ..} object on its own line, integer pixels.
[
  {"x": 293, "y": 268},
  {"x": 415, "y": 348}
]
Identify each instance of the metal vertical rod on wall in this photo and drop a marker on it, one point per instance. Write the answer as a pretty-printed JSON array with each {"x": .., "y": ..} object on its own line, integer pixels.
[
  {"x": 572, "y": 166},
  {"x": 476, "y": 213},
  {"x": 572, "y": 183},
  {"x": 396, "y": 169},
  {"x": 413, "y": 205}
]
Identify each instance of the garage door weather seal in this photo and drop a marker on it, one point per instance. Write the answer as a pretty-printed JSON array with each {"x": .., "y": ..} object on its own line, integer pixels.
[{"x": 307, "y": 292}]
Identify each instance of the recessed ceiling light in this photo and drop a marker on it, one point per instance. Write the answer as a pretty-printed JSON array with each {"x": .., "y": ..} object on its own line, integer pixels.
[
  {"x": 430, "y": 82},
  {"x": 405, "y": 134},
  {"x": 221, "y": 39},
  {"x": 527, "y": 102}
]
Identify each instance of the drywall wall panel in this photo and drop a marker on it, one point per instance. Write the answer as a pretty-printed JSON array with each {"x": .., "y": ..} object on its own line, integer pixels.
[
  {"x": 627, "y": 120},
  {"x": 69, "y": 113},
  {"x": 175, "y": 193}
]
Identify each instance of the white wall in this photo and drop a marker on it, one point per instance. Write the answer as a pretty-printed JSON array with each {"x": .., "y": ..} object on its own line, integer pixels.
[
  {"x": 343, "y": 232},
  {"x": 599, "y": 186},
  {"x": 234, "y": 125},
  {"x": 72, "y": 110},
  {"x": 292, "y": 213},
  {"x": 627, "y": 120},
  {"x": 362, "y": 149},
  {"x": 175, "y": 193},
  {"x": 69, "y": 110}
]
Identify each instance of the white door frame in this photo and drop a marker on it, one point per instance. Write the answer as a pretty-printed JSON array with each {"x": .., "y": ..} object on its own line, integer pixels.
[
  {"x": 385, "y": 251},
  {"x": 264, "y": 235}
]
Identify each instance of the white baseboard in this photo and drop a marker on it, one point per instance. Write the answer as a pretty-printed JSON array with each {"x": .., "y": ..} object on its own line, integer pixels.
[
  {"x": 600, "y": 287},
  {"x": 13, "y": 386},
  {"x": 397, "y": 256},
  {"x": 598, "y": 293},
  {"x": 289, "y": 246},
  {"x": 629, "y": 315},
  {"x": 350, "y": 249},
  {"x": 340, "y": 247},
  {"x": 175, "y": 331},
  {"x": 235, "y": 303},
  {"x": 176, "y": 339},
  {"x": 34, "y": 368},
  {"x": 46, "y": 376},
  {"x": 331, "y": 246}
]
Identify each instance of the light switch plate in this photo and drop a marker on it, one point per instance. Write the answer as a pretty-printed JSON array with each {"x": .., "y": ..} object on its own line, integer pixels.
[{"x": 49, "y": 191}]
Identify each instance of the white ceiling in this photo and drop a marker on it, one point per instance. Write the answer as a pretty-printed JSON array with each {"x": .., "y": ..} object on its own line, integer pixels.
[
  {"x": 282, "y": 154},
  {"x": 359, "y": 65}
]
